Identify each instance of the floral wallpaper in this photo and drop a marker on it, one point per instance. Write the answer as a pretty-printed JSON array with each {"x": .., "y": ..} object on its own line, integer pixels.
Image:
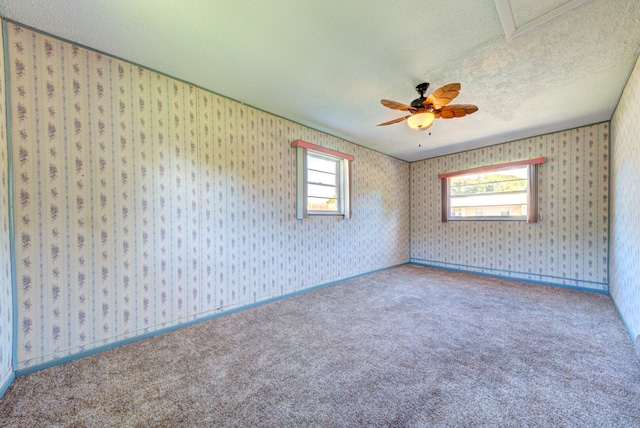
[
  {"x": 568, "y": 246},
  {"x": 142, "y": 202},
  {"x": 6, "y": 288},
  {"x": 625, "y": 205}
]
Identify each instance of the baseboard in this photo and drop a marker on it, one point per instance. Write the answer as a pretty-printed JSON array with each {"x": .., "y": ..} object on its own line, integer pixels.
[
  {"x": 118, "y": 343},
  {"x": 533, "y": 281},
  {"x": 7, "y": 383}
]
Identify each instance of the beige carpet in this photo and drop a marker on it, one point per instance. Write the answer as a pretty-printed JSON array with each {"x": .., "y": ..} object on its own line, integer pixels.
[{"x": 408, "y": 346}]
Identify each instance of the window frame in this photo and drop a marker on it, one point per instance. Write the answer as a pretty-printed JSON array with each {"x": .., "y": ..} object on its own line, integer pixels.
[
  {"x": 532, "y": 191},
  {"x": 343, "y": 172}
]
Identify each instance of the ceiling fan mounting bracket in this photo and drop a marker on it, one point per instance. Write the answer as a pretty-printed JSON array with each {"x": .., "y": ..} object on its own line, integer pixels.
[{"x": 422, "y": 88}]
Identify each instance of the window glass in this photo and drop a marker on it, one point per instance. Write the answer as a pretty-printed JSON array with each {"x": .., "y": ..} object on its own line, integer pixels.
[
  {"x": 323, "y": 183},
  {"x": 500, "y": 194}
]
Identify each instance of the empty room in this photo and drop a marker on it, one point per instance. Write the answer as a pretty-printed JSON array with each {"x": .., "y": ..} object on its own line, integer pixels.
[{"x": 336, "y": 213}]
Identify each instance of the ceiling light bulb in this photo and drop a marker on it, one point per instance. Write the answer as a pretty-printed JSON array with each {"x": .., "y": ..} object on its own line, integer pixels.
[{"x": 421, "y": 120}]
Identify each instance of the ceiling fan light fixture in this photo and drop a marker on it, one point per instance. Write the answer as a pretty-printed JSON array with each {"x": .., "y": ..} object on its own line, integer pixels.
[
  {"x": 421, "y": 120},
  {"x": 435, "y": 106}
]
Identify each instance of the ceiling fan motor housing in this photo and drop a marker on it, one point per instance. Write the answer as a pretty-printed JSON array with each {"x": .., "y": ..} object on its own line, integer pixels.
[{"x": 421, "y": 88}]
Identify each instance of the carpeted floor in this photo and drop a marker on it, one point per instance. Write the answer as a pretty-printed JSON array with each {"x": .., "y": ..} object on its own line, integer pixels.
[{"x": 408, "y": 346}]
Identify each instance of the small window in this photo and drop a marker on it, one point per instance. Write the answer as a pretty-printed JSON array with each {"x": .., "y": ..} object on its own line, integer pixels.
[
  {"x": 324, "y": 179},
  {"x": 322, "y": 182},
  {"x": 500, "y": 192}
]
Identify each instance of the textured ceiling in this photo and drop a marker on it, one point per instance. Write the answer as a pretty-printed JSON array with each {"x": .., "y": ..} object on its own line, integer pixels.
[
  {"x": 525, "y": 11},
  {"x": 327, "y": 64}
]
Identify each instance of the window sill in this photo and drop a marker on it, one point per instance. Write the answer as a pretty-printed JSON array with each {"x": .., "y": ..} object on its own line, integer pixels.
[
  {"x": 325, "y": 214},
  {"x": 523, "y": 218}
]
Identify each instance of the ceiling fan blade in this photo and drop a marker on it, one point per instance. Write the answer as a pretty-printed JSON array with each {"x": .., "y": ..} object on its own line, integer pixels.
[
  {"x": 396, "y": 105},
  {"x": 457, "y": 110},
  {"x": 391, "y": 122},
  {"x": 443, "y": 96}
]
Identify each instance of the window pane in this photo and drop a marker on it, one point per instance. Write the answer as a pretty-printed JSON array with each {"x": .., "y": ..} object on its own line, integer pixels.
[
  {"x": 320, "y": 191},
  {"x": 322, "y": 178},
  {"x": 488, "y": 210},
  {"x": 510, "y": 180},
  {"x": 499, "y": 193},
  {"x": 317, "y": 163},
  {"x": 322, "y": 204}
]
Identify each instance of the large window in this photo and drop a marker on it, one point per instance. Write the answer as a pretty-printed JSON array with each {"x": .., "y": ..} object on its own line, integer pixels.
[
  {"x": 322, "y": 182},
  {"x": 499, "y": 192}
]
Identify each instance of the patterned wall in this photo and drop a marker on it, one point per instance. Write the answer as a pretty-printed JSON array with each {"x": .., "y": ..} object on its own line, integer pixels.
[
  {"x": 6, "y": 288},
  {"x": 625, "y": 205},
  {"x": 569, "y": 246},
  {"x": 142, "y": 202}
]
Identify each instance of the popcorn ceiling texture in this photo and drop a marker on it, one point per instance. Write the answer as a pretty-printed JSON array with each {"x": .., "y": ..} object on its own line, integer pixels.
[
  {"x": 625, "y": 206},
  {"x": 525, "y": 11}
]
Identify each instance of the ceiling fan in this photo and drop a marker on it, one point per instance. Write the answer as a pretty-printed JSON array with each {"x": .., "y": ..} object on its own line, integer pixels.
[{"x": 425, "y": 110}]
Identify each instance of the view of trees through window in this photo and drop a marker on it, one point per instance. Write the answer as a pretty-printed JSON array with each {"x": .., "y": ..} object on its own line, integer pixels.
[
  {"x": 498, "y": 193},
  {"x": 494, "y": 182}
]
